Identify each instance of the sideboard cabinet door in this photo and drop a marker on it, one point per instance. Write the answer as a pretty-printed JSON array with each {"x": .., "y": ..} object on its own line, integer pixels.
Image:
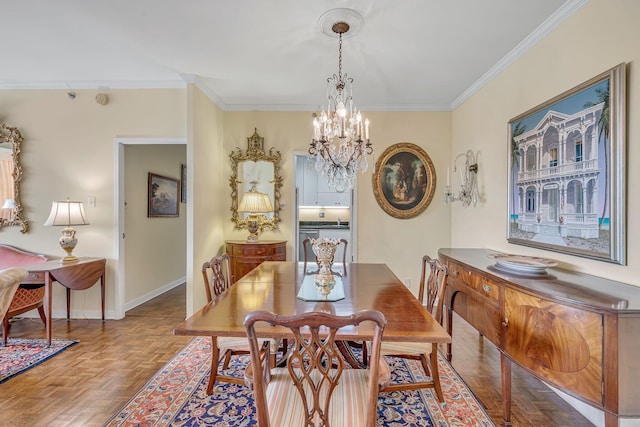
[{"x": 560, "y": 343}]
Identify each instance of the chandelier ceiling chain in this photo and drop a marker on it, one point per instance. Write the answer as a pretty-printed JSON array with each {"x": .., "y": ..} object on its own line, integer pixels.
[{"x": 340, "y": 143}]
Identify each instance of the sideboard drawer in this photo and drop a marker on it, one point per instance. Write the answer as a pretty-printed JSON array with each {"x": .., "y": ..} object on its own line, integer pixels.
[
  {"x": 245, "y": 256},
  {"x": 257, "y": 250},
  {"x": 458, "y": 272},
  {"x": 487, "y": 287}
]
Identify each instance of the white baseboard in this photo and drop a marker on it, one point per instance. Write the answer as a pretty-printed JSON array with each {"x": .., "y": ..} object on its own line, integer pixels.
[
  {"x": 151, "y": 295},
  {"x": 109, "y": 314}
]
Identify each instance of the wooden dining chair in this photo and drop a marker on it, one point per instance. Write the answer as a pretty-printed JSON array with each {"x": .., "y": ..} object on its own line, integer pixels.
[
  {"x": 433, "y": 281},
  {"x": 306, "y": 246},
  {"x": 216, "y": 275},
  {"x": 314, "y": 389}
]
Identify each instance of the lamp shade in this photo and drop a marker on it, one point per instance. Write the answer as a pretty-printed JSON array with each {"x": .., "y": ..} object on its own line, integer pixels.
[
  {"x": 9, "y": 204},
  {"x": 255, "y": 202},
  {"x": 67, "y": 213}
]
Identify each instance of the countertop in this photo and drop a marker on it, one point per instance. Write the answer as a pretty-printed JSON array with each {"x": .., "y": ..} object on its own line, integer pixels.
[{"x": 323, "y": 225}]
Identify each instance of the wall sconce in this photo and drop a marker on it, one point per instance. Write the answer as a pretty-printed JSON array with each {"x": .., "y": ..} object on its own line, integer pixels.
[
  {"x": 468, "y": 186},
  {"x": 253, "y": 202},
  {"x": 67, "y": 213}
]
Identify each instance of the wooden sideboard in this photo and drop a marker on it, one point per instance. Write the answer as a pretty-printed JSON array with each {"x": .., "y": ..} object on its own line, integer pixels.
[
  {"x": 576, "y": 332},
  {"x": 245, "y": 256}
]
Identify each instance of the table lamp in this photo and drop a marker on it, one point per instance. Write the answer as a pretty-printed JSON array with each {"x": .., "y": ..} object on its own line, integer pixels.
[
  {"x": 254, "y": 203},
  {"x": 11, "y": 205},
  {"x": 66, "y": 214}
]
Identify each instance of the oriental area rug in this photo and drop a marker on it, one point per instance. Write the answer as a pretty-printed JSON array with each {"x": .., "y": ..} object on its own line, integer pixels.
[
  {"x": 176, "y": 396},
  {"x": 21, "y": 354}
]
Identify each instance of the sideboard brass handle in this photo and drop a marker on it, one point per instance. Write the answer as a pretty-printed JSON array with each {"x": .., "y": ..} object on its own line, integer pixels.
[
  {"x": 486, "y": 288},
  {"x": 505, "y": 323}
]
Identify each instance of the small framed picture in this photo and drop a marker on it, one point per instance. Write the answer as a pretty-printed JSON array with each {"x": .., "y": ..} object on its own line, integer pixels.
[
  {"x": 183, "y": 183},
  {"x": 404, "y": 180},
  {"x": 163, "y": 196}
]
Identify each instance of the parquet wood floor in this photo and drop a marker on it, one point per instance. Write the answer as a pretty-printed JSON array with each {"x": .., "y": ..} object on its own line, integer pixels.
[{"x": 87, "y": 383}]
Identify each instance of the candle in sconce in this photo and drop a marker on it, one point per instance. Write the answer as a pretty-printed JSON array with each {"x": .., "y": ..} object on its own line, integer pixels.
[{"x": 448, "y": 179}]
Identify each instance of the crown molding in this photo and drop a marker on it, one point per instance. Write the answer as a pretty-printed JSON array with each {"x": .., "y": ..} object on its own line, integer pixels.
[
  {"x": 94, "y": 84},
  {"x": 564, "y": 12}
]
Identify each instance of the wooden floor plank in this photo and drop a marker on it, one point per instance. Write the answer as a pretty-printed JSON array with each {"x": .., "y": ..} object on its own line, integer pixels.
[{"x": 87, "y": 383}]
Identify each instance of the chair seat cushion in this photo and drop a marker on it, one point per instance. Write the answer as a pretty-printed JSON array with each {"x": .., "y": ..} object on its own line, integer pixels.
[{"x": 348, "y": 402}]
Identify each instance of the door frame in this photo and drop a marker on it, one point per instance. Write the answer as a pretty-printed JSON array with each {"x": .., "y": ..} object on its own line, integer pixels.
[
  {"x": 119, "y": 215},
  {"x": 353, "y": 211}
]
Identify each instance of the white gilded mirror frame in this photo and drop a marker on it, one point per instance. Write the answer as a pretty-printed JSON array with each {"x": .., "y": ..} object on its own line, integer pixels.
[
  {"x": 11, "y": 137},
  {"x": 255, "y": 153}
]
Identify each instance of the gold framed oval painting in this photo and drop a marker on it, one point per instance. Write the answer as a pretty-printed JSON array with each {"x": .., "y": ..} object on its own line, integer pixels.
[{"x": 404, "y": 180}]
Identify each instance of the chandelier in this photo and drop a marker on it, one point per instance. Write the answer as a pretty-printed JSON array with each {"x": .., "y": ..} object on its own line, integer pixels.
[{"x": 340, "y": 143}]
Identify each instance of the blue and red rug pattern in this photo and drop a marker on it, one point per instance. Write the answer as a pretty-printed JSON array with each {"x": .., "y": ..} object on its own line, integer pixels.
[
  {"x": 21, "y": 354},
  {"x": 176, "y": 396}
]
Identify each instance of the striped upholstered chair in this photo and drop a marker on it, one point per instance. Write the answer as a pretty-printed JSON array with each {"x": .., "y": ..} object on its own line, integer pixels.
[{"x": 314, "y": 388}]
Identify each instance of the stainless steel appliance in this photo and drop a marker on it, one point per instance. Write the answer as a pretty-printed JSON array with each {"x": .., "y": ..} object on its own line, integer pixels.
[{"x": 303, "y": 233}]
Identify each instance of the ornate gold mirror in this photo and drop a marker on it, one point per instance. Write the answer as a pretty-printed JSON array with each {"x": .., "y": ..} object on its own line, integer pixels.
[
  {"x": 255, "y": 171},
  {"x": 10, "y": 176}
]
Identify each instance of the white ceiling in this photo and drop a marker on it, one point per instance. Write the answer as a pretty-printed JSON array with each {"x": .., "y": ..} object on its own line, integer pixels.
[{"x": 271, "y": 55}]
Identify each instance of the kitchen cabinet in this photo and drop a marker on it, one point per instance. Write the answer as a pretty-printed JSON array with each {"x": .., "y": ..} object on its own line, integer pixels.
[
  {"x": 313, "y": 190},
  {"x": 307, "y": 183}
]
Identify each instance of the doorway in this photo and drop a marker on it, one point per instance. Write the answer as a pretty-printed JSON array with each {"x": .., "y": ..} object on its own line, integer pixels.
[
  {"x": 139, "y": 256},
  {"x": 320, "y": 211}
]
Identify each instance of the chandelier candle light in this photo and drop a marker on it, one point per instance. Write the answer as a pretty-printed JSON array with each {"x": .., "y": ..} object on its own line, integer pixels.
[{"x": 340, "y": 143}]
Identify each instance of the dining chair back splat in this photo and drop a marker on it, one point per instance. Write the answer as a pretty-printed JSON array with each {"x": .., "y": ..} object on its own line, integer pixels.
[
  {"x": 433, "y": 281},
  {"x": 306, "y": 246},
  {"x": 216, "y": 277},
  {"x": 315, "y": 389}
]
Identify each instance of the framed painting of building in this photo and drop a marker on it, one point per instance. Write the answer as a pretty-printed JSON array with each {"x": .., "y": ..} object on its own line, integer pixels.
[
  {"x": 404, "y": 180},
  {"x": 567, "y": 171}
]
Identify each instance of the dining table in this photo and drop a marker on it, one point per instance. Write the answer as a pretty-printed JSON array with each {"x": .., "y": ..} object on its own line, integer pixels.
[{"x": 283, "y": 287}]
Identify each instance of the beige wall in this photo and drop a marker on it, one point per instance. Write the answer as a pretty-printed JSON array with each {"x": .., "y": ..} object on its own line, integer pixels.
[
  {"x": 68, "y": 151},
  {"x": 410, "y": 239},
  {"x": 207, "y": 190},
  {"x": 155, "y": 248},
  {"x": 600, "y": 35}
]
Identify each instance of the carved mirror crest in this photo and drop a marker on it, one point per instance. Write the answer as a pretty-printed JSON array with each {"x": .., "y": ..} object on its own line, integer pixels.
[
  {"x": 255, "y": 170},
  {"x": 11, "y": 211}
]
